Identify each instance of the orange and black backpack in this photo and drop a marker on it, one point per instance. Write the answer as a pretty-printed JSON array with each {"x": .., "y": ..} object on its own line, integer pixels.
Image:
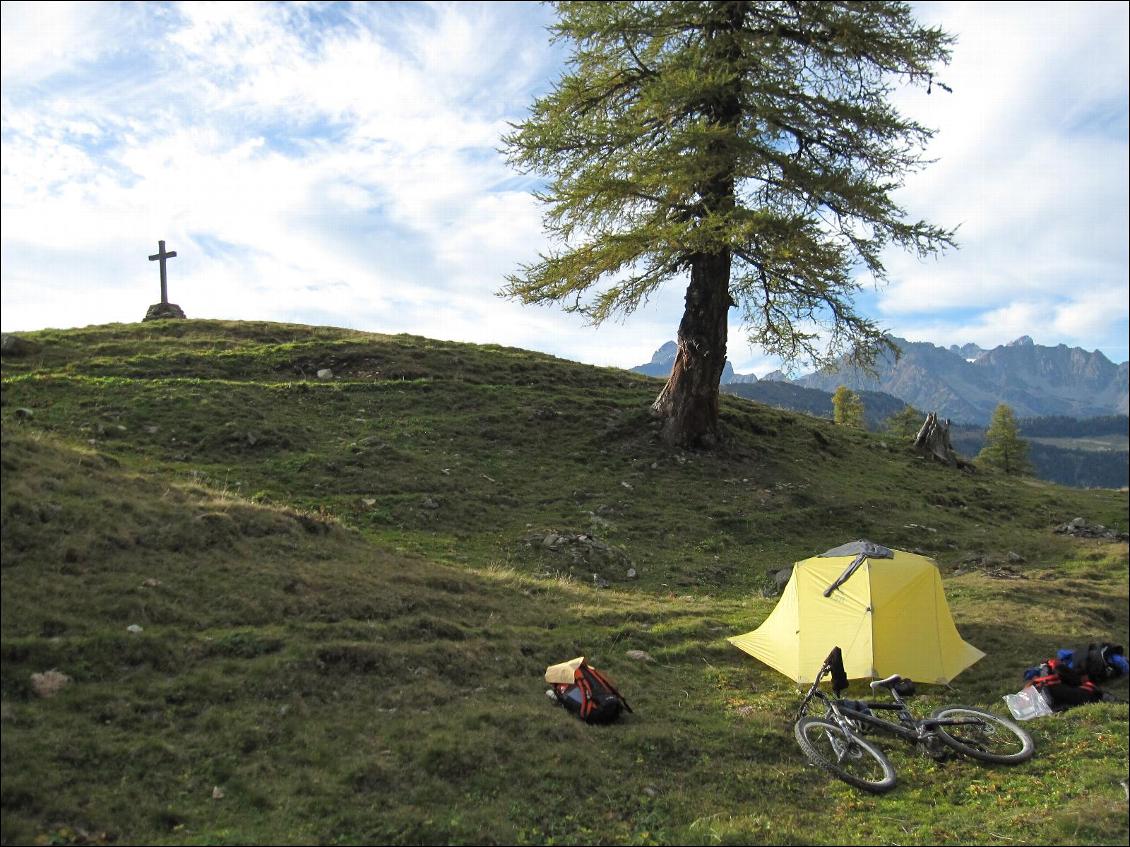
[
  {"x": 1072, "y": 679},
  {"x": 591, "y": 696}
]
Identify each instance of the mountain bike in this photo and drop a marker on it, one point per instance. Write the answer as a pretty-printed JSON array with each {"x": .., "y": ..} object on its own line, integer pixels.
[{"x": 834, "y": 741}]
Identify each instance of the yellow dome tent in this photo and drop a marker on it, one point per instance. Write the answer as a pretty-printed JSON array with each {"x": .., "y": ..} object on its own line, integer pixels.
[{"x": 884, "y": 608}]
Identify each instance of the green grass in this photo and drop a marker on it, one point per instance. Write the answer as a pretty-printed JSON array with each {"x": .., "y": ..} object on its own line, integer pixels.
[{"x": 346, "y": 609}]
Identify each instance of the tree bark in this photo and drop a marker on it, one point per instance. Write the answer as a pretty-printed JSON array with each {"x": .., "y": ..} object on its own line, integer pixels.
[{"x": 688, "y": 403}]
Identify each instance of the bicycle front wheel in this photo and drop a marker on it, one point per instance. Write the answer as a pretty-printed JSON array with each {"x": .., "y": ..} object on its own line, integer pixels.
[
  {"x": 844, "y": 755},
  {"x": 984, "y": 736}
]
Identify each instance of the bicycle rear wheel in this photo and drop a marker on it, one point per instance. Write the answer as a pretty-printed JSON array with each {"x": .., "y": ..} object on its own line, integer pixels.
[
  {"x": 987, "y": 737},
  {"x": 844, "y": 755}
]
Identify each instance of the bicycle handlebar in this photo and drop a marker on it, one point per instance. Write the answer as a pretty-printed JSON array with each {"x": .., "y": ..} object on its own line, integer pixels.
[
  {"x": 834, "y": 662},
  {"x": 834, "y": 658},
  {"x": 835, "y": 665},
  {"x": 824, "y": 668}
]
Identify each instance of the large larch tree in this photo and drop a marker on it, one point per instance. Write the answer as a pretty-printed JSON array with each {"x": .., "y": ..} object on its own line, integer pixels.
[{"x": 749, "y": 148}]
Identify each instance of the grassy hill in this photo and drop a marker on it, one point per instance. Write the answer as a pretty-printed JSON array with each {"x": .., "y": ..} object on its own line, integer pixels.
[{"x": 348, "y": 589}]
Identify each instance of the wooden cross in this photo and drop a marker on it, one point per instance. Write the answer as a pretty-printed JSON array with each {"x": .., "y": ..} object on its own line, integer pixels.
[{"x": 161, "y": 256}]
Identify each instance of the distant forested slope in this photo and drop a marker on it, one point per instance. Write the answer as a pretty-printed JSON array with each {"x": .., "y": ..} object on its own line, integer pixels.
[{"x": 1060, "y": 455}]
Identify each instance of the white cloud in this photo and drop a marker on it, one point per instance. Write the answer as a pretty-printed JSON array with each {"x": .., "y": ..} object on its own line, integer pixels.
[
  {"x": 338, "y": 163},
  {"x": 1032, "y": 163},
  {"x": 207, "y": 170},
  {"x": 40, "y": 40}
]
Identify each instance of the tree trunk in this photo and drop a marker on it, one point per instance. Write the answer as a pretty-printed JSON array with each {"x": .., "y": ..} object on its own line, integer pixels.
[{"x": 688, "y": 403}]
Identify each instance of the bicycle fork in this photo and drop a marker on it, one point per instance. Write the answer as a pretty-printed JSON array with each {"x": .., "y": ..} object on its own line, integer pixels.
[{"x": 842, "y": 750}]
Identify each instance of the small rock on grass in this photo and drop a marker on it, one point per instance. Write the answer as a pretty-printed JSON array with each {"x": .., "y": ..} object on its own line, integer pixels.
[
  {"x": 49, "y": 683},
  {"x": 14, "y": 345}
]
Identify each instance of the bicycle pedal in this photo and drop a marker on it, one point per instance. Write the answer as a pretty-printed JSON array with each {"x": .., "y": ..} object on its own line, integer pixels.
[{"x": 935, "y": 751}]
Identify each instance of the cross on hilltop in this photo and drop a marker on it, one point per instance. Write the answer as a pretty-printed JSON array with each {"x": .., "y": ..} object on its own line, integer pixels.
[
  {"x": 164, "y": 309},
  {"x": 161, "y": 256}
]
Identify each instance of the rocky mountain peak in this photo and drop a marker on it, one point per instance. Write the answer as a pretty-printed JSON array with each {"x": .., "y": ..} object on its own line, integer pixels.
[
  {"x": 665, "y": 354},
  {"x": 969, "y": 352}
]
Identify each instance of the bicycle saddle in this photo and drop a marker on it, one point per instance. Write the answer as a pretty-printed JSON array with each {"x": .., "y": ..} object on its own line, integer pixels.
[{"x": 890, "y": 682}]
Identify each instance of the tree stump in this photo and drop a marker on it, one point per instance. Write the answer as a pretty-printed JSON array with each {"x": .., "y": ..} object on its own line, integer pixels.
[{"x": 933, "y": 440}]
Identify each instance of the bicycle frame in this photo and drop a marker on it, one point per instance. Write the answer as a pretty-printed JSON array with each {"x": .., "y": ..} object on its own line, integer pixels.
[
  {"x": 908, "y": 727},
  {"x": 834, "y": 740}
]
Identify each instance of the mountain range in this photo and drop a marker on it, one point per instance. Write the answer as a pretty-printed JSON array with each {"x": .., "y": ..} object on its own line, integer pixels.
[
  {"x": 1071, "y": 403},
  {"x": 964, "y": 383}
]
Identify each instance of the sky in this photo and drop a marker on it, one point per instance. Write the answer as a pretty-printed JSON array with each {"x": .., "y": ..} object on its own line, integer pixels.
[{"x": 339, "y": 164}]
